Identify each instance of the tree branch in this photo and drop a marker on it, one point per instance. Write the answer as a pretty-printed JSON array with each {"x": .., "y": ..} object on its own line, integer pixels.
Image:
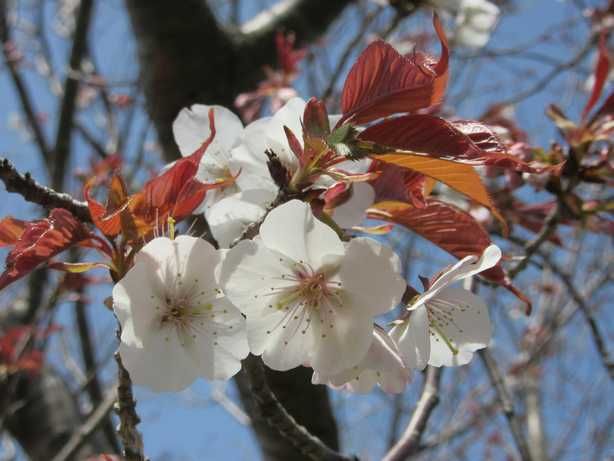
[
  {"x": 61, "y": 152},
  {"x": 507, "y": 406},
  {"x": 88, "y": 355},
  {"x": 598, "y": 339},
  {"x": 409, "y": 443},
  {"x": 307, "y": 18},
  {"x": 544, "y": 234},
  {"x": 23, "y": 94},
  {"x": 278, "y": 418},
  {"x": 44, "y": 196},
  {"x": 89, "y": 426},
  {"x": 177, "y": 71},
  {"x": 128, "y": 418}
]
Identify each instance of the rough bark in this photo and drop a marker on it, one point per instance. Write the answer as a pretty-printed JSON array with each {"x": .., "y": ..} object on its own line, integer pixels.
[{"x": 186, "y": 57}]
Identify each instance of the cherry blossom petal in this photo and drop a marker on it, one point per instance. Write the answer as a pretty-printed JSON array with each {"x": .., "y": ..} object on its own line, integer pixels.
[
  {"x": 161, "y": 364},
  {"x": 371, "y": 280},
  {"x": 466, "y": 267},
  {"x": 252, "y": 170},
  {"x": 176, "y": 323},
  {"x": 251, "y": 278},
  {"x": 219, "y": 352},
  {"x": 342, "y": 343},
  {"x": 352, "y": 212},
  {"x": 191, "y": 129},
  {"x": 412, "y": 339},
  {"x": 229, "y": 217},
  {"x": 382, "y": 365},
  {"x": 459, "y": 321},
  {"x": 254, "y": 137},
  {"x": 290, "y": 116},
  {"x": 292, "y": 230}
]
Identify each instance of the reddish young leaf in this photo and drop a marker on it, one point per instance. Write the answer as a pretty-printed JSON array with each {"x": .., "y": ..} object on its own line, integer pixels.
[
  {"x": 466, "y": 142},
  {"x": 460, "y": 177},
  {"x": 448, "y": 227},
  {"x": 10, "y": 230},
  {"x": 41, "y": 241},
  {"x": 176, "y": 192},
  {"x": 602, "y": 70},
  {"x": 295, "y": 145},
  {"x": 15, "y": 356},
  {"x": 502, "y": 116},
  {"x": 397, "y": 183},
  {"x": 603, "y": 115},
  {"x": 106, "y": 218},
  {"x": 287, "y": 56},
  {"x": 315, "y": 119},
  {"x": 383, "y": 82}
]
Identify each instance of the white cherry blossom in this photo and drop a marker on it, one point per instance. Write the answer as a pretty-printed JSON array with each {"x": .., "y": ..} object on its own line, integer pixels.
[
  {"x": 310, "y": 298},
  {"x": 353, "y": 211},
  {"x": 382, "y": 365},
  {"x": 475, "y": 20},
  {"x": 176, "y": 323},
  {"x": 446, "y": 325},
  {"x": 227, "y": 158}
]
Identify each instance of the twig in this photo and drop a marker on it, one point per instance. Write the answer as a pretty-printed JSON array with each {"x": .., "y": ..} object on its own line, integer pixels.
[
  {"x": 88, "y": 137},
  {"x": 397, "y": 412},
  {"x": 409, "y": 443},
  {"x": 342, "y": 61},
  {"x": 27, "y": 104},
  {"x": 128, "y": 418},
  {"x": 550, "y": 76},
  {"x": 532, "y": 246},
  {"x": 44, "y": 196},
  {"x": 61, "y": 152},
  {"x": 598, "y": 339},
  {"x": 278, "y": 418},
  {"x": 507, "y": 406},
  {"x": 88, "y": 355},
  {"x": 80, "y": 436}
]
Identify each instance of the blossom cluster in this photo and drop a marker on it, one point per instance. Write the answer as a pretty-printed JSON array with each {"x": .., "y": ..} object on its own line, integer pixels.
[{"x": 305, "y": 290}]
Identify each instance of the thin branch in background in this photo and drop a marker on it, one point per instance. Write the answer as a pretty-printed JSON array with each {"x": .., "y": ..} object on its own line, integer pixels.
[
  {"x": 91, "y": 424},
  {"x": 44, "y": 196},
  {"x": 531, "y": 247},
  {"x": 61, "y": 152},
  {"x": 277, "y": 417},
  {"x": 91, "y": 140},
  {"x": 550, "y": 76},
  {"x": 409, "y": 444},
  {"x": 587, "y": 312},
  {"x": 507, "y": 406},
  {"x": 397, "y": 412},
  {"x": 23, "y": 94},
  {"x": 349, "y": 49},
  {"x": 88, "y": 355}
]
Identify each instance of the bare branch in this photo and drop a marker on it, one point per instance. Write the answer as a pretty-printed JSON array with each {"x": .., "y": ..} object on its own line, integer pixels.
[
  {"x": 598, "y": 338},
  {"x": 89, "y": 359},
  {"x": 80, "y": 436},
  {"x": 26, "y": 102},
  {"x": 44, "y": 196},
  {"x": 497, "y": 380},
  {"x": 409, "y": 444},
  {"x": 61, "y": 152},
  {"x": 531, "y": 247}
]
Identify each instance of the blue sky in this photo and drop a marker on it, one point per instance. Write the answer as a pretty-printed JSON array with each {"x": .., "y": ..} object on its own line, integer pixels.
[{"x": 190, "y": 425}]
